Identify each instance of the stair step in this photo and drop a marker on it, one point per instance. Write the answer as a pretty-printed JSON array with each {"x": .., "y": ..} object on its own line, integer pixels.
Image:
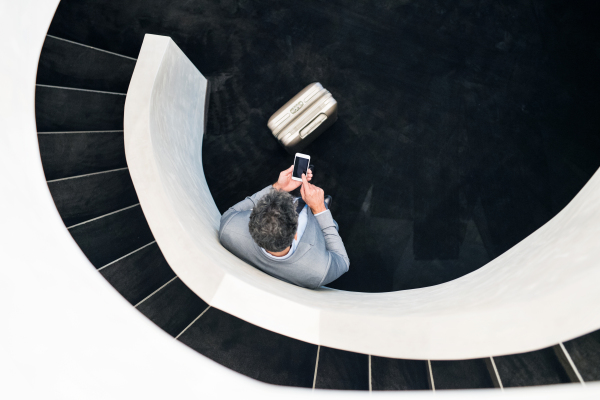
[
  {"x": 397, "y": 374},
  {"x": 111, "y": 237},
  {"x": 82, "y": 198},
  {"x": 461, "y": 374},
  {"x": 64, "y": 63},
  {"x": 252, "y": 351},
  {"x": 339, "y": 369},
  {"x": 93, "y": 24},
  {"x": 173, "y": 307},
  {"x": 541, "y": 367},
  {"x": 140, "y": 274},
  {"x": 72, "y": 154},
  {"x": 585, "y": 353},
  {"x": 65, "y": 109}
]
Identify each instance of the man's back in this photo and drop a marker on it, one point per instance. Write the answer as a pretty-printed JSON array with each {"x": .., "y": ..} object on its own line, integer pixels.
[{"x": 319, "y": 258}]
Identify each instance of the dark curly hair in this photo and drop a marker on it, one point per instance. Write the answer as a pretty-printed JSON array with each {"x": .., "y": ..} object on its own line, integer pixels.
[{"x": 273, "y": 221}]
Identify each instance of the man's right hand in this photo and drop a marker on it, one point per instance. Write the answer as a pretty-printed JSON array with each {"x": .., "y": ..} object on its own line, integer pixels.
[{"x": 313, "y": 196}]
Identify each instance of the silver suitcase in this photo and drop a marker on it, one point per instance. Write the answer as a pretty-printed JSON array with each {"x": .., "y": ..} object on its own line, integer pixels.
[{"x": 302, "y": 119}]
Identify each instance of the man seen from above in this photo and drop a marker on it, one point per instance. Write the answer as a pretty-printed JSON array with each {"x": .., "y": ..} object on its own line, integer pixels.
[{"x": 294, "y": 240}]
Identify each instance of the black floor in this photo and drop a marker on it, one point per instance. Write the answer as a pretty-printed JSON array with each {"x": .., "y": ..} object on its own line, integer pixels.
[{"x": 464, "y": 125}]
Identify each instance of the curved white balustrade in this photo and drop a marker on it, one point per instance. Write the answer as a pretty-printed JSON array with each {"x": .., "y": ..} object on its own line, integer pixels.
[{"x": 542, "y": 291}]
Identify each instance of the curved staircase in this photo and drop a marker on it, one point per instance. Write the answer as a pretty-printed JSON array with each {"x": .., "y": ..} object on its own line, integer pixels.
[{"x": 79, "y": 109}]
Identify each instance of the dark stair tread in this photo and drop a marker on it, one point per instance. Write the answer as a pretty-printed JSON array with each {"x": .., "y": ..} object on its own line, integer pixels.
[
  {"x": 541, "y": 367},
  {"x": 111, "y": 237},
  {"x": 83, "y": 198},
  {"x": 80, "y": 153},
  {"x": 173, "y": 307},
  {"x": 60, "y": 110},
  {"x": 585, "y": 353},
  {"x": 63, "y": 63},
  {"x": 461, "y": 374},
  {"x": 140, "y": 274},
  {"x": 251, "y": 350},
  {"x": 339, "y": 369},
  {"x": 398, "y": 374},
  {"x": 116, "y": 24}
]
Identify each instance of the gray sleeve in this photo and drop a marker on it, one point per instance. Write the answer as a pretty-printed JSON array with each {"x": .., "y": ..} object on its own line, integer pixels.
[
  {"x": 247, "y": 204},
  {"x": 339, "y": 261}
]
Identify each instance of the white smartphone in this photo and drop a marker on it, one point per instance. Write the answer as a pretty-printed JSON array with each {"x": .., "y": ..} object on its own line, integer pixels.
[{"x": 301, "y": 163}]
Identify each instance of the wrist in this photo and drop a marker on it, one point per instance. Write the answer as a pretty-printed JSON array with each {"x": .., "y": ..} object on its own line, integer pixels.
[
  {"x": 318, "y": 209},
  {"x": 276, "y": 186}
]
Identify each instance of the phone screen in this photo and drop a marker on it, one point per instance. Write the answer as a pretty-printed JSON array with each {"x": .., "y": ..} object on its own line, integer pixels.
[{"x": 300, "y": 166}]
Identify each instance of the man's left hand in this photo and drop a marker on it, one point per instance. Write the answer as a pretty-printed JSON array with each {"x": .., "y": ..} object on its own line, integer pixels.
[{"x": 285, "y": 181}]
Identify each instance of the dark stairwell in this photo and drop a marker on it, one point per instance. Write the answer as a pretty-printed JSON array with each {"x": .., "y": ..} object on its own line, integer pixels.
[{"x": 79, "y": 109}]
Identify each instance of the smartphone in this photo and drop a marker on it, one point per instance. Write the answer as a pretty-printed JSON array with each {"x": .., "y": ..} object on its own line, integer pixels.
[{"x": 301, "y": 163}]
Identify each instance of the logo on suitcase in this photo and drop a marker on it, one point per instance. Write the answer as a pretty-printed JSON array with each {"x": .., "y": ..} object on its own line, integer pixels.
[{"x": 297, "y": 107}]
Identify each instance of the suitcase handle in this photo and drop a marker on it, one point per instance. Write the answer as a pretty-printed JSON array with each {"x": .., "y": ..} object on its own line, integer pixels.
[{"x": 312, "y": 125}]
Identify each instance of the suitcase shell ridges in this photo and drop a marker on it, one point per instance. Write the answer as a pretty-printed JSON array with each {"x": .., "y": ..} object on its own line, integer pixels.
[
  {"x": 302, "y": 119},
  {"x": 285, "y": 111},
  {"x": 312, "y": 111}
]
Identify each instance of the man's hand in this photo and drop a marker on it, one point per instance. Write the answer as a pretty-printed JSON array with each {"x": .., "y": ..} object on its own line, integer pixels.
[
  {"x": 285, "y": 181},
  {"x": 313, "y": 196}
]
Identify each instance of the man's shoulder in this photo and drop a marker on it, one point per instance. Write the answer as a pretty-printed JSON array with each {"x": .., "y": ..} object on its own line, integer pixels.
[
  {"x": 236, "y": 238},
  {"x": 234, "y": 227},
  {"x": 235, "y": 221}
]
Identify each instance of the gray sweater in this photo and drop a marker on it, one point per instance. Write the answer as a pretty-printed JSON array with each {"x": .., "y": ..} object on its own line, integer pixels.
[{"x": 319, "y": 259}]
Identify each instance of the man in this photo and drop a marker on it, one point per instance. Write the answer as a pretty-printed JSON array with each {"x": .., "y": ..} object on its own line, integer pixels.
[{"x": 266, "y": 231}]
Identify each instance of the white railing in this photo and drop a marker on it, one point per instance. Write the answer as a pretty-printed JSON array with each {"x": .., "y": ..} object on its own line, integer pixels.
[{"x": 541, "y": 292}]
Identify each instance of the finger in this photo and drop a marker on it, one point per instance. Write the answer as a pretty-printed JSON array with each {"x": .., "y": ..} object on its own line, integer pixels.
[
  {"x": 289, "y": 169},
  {"x": 305, "y": 182}
]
